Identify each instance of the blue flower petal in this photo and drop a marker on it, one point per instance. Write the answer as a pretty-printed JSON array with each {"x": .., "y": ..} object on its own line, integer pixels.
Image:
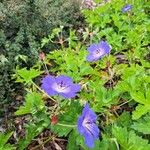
[
  {"x": 89, "y": 113},
  {"x": 92, "y": 47},
  {"x": 89, "y": 140},
  {"x": 97, "y": 51},
  {"x": 91, "y": 58},
  {"x": 87, "y": 126},
  {"x": 126, "y": 8},
  {"x": 75, "y": 87},
  {"x": 86, "y": 109},
  {"x": 81, "y": 129},
  {"x": 46, "y": 85},
  {"x": 92, "y": 128},
  {"x": 105, "y": 47},
  {"x": 65, "y": 79},
  {"x": 68, "y": 95}
]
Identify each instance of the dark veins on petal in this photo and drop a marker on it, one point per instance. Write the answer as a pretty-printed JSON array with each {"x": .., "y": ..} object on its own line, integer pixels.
[
  {"x": 88, "y": 129},
  {"x": 62, "y": 85}
]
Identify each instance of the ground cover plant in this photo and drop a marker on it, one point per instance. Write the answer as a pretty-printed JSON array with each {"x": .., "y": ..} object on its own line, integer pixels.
[{"x": 94, "y": 91}]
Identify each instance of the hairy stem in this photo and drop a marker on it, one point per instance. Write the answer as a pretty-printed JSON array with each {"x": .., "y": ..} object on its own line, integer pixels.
[{"x": 42, "y": 91}]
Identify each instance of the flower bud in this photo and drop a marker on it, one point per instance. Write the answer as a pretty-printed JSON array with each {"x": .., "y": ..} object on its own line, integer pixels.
[
  {"x": 54, "y": 119},
  {"x": 42, "y": 56}
]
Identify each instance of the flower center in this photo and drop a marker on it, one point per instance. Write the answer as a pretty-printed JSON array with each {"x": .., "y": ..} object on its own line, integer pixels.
[
  {"x": 88, "y": 125},
  {"x": 98, "y": 52},
  {"x": 86, "y": 122},
  {"x": 61, "y": 87}
]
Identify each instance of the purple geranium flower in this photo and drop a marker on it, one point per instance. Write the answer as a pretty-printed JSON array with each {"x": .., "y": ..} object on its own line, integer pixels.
[
  {"x": 96, "y": 51},
  {"x": 87, "y": 126},
  {"x": 62, "y": 85},
  {"x": 126, "y": 8}
]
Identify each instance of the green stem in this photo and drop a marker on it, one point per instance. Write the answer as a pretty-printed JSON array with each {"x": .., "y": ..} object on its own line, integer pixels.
[
  {"x": 42, "y": 91},
  {"x": 115, "y": 141},
  {"x": 124, "y": 103},
  {"x": 67, "y": 125},
  {"x": 45, "y": 66}
]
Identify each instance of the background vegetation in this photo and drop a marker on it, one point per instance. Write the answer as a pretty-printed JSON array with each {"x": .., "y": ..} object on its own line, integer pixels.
[
  {"x": 117, "y": 87},
  {"x": 23, "y": 23}
]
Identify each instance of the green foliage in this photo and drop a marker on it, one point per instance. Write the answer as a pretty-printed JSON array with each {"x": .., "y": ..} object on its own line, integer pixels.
[
  {"x": 33, "y": 103},
  {"x": 103, "y": 97},
  {"x": 129, "y": 140},
  {"x": 135, "y": 81},
  {"x": 74, "y": 65},
  {"x": 3, "y": 141},
  {"x": 68, "y": 118},
  {"x": 142, "y": 125},
  {"x": 34, "y": 128},
  {"x": 124, "y": 120},
  {"x": 24, "y": 75},
  {"x": 72, "y": 142},
  {"x": 120, "y": 29},
  {"x": 31, "y": 132},
  {"x": 143, "y": 98}
]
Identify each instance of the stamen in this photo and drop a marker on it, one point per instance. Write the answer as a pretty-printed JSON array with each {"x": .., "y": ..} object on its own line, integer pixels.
[
  {"x": 97, "y": 51},
  {"x": 88, "y": 122}
]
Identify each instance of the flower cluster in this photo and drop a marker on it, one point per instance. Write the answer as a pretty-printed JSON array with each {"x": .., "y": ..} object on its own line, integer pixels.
[{"x": 64, "y": 86}]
